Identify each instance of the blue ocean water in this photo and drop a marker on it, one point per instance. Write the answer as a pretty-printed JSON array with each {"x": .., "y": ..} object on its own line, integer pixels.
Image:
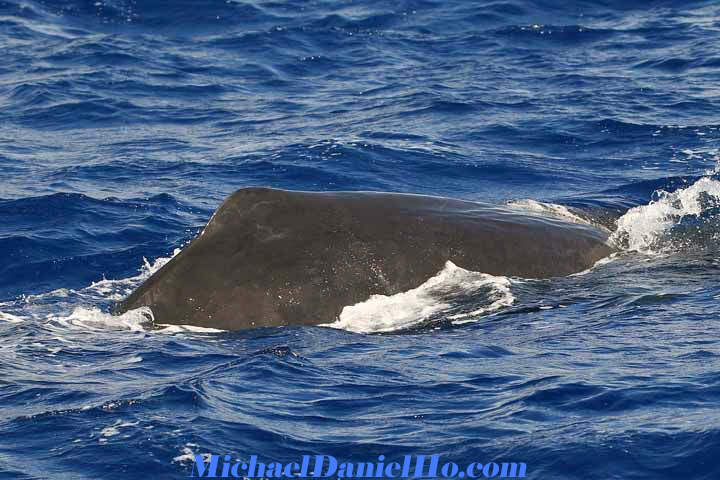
[{"x": 123, "y": 125}]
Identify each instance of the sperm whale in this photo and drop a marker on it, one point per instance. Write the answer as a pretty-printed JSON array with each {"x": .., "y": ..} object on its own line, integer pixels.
[{"x": 271, "y": 257}]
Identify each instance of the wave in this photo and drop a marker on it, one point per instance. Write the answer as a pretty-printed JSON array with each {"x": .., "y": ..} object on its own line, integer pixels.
[
  {"x": 561, "y": 35},
  {"x": 453, "y": 294},
  {"x": 179, "y": 16},
  {"x": 82, "y": 312},
  {"x": 68, "y": 240},
  {"x": 35, "y": 307},
  {"x": 683, "y": 220}
]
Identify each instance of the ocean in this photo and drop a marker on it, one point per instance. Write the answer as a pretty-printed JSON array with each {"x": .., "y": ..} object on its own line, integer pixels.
[{"x": 125, "y": 123}]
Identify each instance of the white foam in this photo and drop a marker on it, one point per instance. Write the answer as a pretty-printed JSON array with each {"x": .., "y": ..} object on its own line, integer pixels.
[
  {"x": 187, "y": 455},
  {"x": 167, "y": 328},
  {"x": 8, "y": 317},
  {"x": 137, "y": 320},
  {"x": 80, "y": 312},
  {"x": 440, "y": 294},
  {"x": 645, "y": 228},
  {"x": 92, "y": 318},
  {"x": 501, "y": 297},
  {"x": 84, "y": 316},
  {"x": 114, "y": 429}
]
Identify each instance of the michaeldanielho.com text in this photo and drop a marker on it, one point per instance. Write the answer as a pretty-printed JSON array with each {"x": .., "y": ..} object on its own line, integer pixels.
[{"x": 319, "y": 466}]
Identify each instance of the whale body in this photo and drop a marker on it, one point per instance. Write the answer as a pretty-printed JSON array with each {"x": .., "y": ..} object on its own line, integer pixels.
[{"x": 272, "y": 257}]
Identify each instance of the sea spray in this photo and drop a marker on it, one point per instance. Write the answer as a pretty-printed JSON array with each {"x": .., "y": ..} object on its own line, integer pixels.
[{"x": 674, "y": 221}]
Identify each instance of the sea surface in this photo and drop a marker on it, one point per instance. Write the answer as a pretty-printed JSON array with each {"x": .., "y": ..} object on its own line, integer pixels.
[{"x": 123, "y": 125}]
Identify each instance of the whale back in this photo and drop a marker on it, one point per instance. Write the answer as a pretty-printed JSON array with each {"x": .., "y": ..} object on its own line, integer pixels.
[{"x": 274, "y": 257}]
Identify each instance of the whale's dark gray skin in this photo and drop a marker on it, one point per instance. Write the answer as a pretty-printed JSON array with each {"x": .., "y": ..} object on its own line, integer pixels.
[{"x": 274, "y": 257}]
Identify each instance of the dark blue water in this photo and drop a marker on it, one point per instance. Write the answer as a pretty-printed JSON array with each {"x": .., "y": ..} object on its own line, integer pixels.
[{"x": 123, "y": 124}]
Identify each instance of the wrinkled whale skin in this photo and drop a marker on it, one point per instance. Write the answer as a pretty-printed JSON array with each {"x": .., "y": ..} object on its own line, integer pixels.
[{"x": 273, "y": 257}]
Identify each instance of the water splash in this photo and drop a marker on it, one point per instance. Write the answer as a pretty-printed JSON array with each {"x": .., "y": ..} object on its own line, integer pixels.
[
  {"x": 80, "y": 309},
  {"x": 449, "y": 294},
  {"x": 674, "y": 221},
  {"x": 95, "y": 319}
]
